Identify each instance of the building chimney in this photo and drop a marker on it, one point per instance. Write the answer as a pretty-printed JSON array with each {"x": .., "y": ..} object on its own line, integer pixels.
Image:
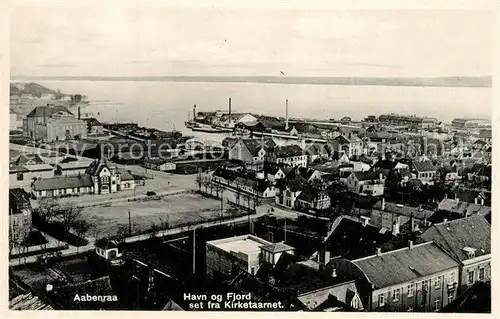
[
  {"x": 383, "y": 203},
  {"x": 396, "y": 227},
  {"x": 475, "y": 200},
  {"x": 410, "y": 244},
  {"x": 379, "y": 251},
  {"x": 482, "y": 201},
  {"x": 327, "y": 257},
  {"x": 229, "y": 111},
  {"x": 286, "y": 115}
]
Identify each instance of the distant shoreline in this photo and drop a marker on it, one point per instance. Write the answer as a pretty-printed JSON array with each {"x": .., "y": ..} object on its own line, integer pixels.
[{"x": 458, "y": 81}]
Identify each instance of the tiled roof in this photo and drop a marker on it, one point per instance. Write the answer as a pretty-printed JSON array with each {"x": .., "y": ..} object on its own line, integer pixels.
[
  {"x": 28, "y": 159},
  {"x": 39, "y": 167},
  {"x": 125, "y": 175},
  {"x": 404, "y": 265},
  {"x": 63, "y": 182},
  {"x": 92, "y": 121},
  {"x": 287, "y": 151},
  {"x": 463, "y": 208},
  {"x": 28, "y": 302},
  {"x": 367, "y": 176},
  {"x": 106, "y": 243},
  {"x": 455, "y": 235},
  {"x": 39, "y": 110},
  {"x": 485, "y": 134},
  {"x": 424, "y": 166},
  {"x": 408, "y": 211},
  {"x": 254, "y": 145}
]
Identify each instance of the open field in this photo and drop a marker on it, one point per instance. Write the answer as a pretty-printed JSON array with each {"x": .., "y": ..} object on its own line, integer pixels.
[{"x": 175, "y": 209}]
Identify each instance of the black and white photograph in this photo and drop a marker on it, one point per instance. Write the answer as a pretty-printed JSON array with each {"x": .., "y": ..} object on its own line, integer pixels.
[{"x": 251, "y": 156}]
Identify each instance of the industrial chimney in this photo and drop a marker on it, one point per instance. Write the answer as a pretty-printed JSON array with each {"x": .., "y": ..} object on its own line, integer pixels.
[
  {"x": 79, "y": 115},
  {"x": 229, "y": 111},
  {"x": 286, "y": 115},
  {"x": 194, "y": 112}
]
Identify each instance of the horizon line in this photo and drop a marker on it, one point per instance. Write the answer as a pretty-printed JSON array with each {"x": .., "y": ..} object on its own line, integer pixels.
[{"x": 438, "y": 81}]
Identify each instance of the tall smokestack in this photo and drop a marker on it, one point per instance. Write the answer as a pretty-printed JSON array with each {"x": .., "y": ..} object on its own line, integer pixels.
[
  {"x": 194, "y": 112},
  {"x": 79, "y": 114},
  {"x": 229, "y": 111},
  {"x": 286, "y": 115}
]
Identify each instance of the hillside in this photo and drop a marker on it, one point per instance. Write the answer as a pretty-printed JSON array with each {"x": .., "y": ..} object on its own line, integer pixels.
[{"x": 34, "y": 89}]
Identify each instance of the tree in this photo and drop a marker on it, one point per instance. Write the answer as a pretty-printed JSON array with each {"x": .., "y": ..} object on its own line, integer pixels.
[
  {"x": 81, "y": 228},
  {"x": 48, "y": 209},
  {"x": 68, "y": 215}
]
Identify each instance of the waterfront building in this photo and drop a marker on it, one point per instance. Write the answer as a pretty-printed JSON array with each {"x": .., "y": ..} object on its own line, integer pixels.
[
  {"x": 251, "y": 151},
  {"x": 419, "y": 278},
  {"x": 53, "y": 123}
]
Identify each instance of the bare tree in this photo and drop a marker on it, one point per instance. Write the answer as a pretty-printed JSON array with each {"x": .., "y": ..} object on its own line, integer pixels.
[
  {"x": 68, "y": 215},
  {"x": 48, "y": 209},
  {"x": 81, "y": 228}
]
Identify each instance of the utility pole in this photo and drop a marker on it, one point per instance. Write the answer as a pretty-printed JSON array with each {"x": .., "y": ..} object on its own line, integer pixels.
[
  {"x": 129, "y": 223},
  {"x": 222, "y": 202},
  {"x": 194, "y": 251}
]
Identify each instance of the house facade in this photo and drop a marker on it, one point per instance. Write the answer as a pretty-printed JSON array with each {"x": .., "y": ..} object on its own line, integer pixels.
[
  {"x": 425, "y": 171},
  {"x": 467, "y": 240},
  {"x": 108, "y": 179},
  {"x": 251, "y": 151},
  {"x": 53, "y": 123},
  {"x": 349, "y": 144},
  {"x": 403, "y": 280},
  {"x": 19, "y": 214},
  {"x": 366, "y": 184},
  {"x": 291, "y": 155}
]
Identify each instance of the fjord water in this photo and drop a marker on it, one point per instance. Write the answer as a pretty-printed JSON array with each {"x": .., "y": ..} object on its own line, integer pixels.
[{"x": 165, "y": 105}]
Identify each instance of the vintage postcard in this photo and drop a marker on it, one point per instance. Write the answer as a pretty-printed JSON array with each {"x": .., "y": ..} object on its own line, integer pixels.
[{"x": 251, "y": 156}]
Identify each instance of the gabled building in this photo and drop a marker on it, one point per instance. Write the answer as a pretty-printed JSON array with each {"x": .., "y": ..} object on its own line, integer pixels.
[
  {"x": 292, "y": 155},
  {"x": 53, "y": 123},
  {"x": 393, "y": 216},
  {"x": 421, "y": 278},
  {"x": 464, "y": 209},
  {"x": 350, "y": 144},
  {"x": 94, "y": 127},
  {"x": 108, "y": 179},
  {"x": 468, "y": 241},
  {"x": 61, "y": 186},
  {"x": 251, "y": 151},
  {"x": 425, "y": 171},
  {"x": 368, "y": 183},
  {"x": 289, "y": 188}
]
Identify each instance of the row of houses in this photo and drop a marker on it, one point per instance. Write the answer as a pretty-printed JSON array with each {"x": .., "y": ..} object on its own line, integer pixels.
[{"x": 423, "y": 276}]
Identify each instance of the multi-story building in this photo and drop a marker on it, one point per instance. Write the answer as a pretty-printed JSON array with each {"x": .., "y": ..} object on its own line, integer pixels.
[
  {"x": 109, "y": 179},
  {"x": 420, "y": 278},
  {"x": 467, "y": 123},
  {"x": 349, "y": 144},
  {"x": 425, "y": 171},
  {"x": 366, "y": 183},
  {"x": 429, "y": 123},
  {"x": 400, "y": 120},
  {"x": 468, "y": 241},
  {"x": 289, "y": 188},
  {"x": 24, "y": 175},
  {"x": 19, "y": 214},
  {"x": 292, "y": 155},
  {"x": 251, "y": 151},
  {"x": 246, "y": 252},
  {"x": 53, "y": 123}
]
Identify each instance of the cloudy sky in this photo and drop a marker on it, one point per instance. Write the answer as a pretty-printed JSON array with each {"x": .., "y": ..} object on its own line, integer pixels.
[{"x": 315, "y": 41}]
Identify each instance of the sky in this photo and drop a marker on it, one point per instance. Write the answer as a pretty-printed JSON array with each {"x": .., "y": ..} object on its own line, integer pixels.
[{"x": 118, "y": 40}]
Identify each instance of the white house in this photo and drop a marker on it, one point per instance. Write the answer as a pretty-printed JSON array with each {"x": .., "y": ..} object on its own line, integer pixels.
[
  {"x": 366, "y": 183},
  {"x": 107, "y": 249}
]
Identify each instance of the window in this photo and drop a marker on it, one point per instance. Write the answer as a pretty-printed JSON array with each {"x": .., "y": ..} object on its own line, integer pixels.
[
  {"x": 437, "y": 304},
  {"x": 470, "y": 277},
  {"x": 451, "y": 277},
  {"x": 425, "y": 286},
  {"x": 437, "y": 283},
  {"x": 450, "y": 297},
  {"x": 64, "y": 191},
  {"x": 410, "y": 291},
  {"x": 381, "y": 300},
  {"x": 395, "y": 295},
  {"x": 20, "y": 176},
  {"x": 481, "y": 273}
]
